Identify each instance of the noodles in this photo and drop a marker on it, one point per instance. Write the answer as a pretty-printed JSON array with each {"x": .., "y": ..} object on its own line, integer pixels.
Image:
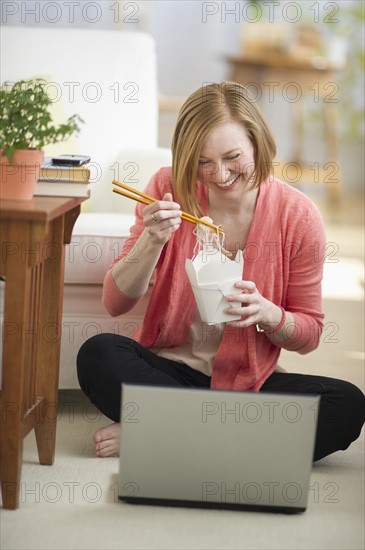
[{"x": 206, "y": 237}]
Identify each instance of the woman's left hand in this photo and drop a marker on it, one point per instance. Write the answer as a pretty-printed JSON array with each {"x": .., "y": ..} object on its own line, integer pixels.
[{"x": 254, "y": 308}]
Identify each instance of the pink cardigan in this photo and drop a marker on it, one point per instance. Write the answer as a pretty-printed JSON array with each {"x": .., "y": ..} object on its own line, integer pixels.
[{"x": 284, "y": 257}]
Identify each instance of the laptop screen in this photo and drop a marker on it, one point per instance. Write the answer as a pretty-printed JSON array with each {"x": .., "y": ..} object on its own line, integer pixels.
[{"x": 198, "y": 447}]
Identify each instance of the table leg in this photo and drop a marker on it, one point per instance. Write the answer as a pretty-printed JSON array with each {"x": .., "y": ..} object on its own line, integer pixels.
[
  {"x": 298, "y": 122},
  {"x": 14, "y": 364},
  {"x": 330, "y": 114},
  {"x": 48, "y": 349}
]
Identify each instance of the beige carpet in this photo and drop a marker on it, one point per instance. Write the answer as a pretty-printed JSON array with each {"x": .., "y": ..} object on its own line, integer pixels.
[{"x": 74, "y": 504}]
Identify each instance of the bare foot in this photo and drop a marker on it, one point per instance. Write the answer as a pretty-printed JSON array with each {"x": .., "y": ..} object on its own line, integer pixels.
[{"x": 106, "y": 441}]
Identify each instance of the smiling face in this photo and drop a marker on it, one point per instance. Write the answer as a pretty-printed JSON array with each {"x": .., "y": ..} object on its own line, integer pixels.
[
  {"x": 219, "y": 134},
  {"x": 226, "y": 159}
]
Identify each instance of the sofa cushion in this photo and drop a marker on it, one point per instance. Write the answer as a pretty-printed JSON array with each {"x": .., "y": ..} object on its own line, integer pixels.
[
  {"x": 97, "y": 240},
  {"x": 83, "y": 317}
]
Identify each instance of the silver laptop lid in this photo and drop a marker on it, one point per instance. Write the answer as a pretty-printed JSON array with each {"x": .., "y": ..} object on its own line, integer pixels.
[{"x": 197, "y": 447}]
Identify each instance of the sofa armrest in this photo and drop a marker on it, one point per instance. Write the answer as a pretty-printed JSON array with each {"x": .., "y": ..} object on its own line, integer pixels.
[{"x": 103, "y": 225}]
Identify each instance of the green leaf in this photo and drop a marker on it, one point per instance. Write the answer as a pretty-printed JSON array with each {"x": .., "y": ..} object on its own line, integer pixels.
[{"x": 26, "y": 120}]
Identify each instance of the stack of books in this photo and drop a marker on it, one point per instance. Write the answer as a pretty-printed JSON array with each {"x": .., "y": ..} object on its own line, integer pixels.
[{"x": 61, "y": 180}]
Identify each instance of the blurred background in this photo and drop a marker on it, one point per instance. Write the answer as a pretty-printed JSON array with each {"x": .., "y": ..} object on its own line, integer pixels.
[{"x": 303, "y": 62}]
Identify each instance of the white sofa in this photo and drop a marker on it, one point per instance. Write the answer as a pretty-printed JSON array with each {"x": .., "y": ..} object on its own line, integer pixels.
[{"x": 110, "y": 79}]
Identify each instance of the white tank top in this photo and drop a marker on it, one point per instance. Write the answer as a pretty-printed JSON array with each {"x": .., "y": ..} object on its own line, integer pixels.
[{"x": 200, "y": 348}]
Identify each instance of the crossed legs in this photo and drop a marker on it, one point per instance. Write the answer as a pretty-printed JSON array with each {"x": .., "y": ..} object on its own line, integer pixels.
[{"x": 107, "y": 360}]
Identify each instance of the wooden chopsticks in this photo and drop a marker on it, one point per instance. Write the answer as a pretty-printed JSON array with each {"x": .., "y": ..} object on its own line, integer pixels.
[{"x": 145, "y": 199}]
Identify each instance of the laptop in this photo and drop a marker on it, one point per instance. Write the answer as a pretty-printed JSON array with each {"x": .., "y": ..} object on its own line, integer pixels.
[{"x": 216, "y": 449}]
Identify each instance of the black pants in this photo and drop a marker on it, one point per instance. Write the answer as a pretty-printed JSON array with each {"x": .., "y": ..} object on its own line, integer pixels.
[{"x": 107, "y": 360}]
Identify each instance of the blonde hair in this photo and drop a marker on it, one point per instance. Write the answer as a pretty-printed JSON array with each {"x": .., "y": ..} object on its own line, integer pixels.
[{"x": 207, "y": 107}]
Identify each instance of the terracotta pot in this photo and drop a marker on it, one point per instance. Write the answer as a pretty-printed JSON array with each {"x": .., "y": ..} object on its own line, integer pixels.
[{"x": 18, "y": 179}]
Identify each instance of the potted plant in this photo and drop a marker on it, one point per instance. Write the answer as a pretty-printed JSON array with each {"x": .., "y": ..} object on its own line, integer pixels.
[{"x": 26, "y": 128}]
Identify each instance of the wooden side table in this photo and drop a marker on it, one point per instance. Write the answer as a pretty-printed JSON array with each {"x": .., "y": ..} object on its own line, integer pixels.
[
  {"x": 299, "y": 77},
  {"x": 33, "y": 235}
]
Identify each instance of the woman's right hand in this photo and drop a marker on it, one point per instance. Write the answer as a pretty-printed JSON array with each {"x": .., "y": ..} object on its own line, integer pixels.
[{"x": 162, "y": 218}]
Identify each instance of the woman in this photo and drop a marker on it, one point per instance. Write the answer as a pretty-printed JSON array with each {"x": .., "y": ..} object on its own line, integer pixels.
[{"x": 222, "y": 167}]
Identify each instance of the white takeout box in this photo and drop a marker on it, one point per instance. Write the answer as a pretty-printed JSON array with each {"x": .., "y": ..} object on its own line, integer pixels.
[{"x": 212, "y": 276}]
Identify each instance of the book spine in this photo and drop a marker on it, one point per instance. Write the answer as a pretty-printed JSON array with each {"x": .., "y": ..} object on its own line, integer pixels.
[
  {"x": 65, "y": 179},
  {"x": 55, "y": 190},
  {"x": 62, "y": 174}
]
